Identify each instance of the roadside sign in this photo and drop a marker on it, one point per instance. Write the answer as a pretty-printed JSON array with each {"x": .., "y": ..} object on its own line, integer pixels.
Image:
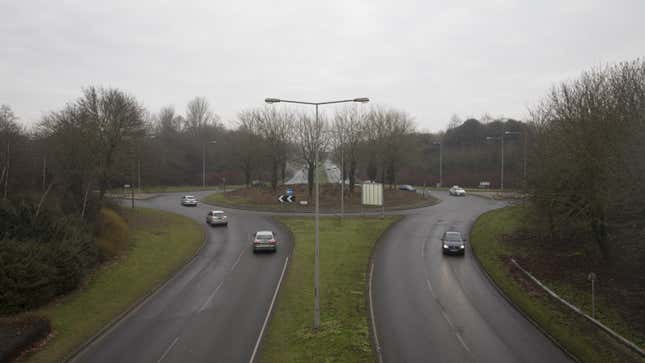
[
  {"x": 372, "y": 194},
  {"x": 289, "y": 191},
  {"x": 286, "y": 198},
  {"x": 127, "y": 186}
]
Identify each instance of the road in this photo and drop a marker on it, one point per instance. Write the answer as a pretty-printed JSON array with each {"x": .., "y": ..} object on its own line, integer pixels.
[
  {"x": 430, "y": 307},
  {"x": 213, "y": 310}
]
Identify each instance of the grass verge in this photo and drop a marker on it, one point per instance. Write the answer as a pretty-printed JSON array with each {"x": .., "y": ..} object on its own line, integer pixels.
[
  {"x": 343, "y": 336},
  {"x": 574, "y": 333},
  {"x": 160, "y": 243}
]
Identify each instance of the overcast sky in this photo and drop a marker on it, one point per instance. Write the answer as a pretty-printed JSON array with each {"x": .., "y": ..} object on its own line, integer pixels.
[{"x": 429, "y": 58}]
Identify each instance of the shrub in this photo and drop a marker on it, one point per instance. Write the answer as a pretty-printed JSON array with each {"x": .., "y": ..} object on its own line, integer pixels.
[{"x": 111, "y": 234}]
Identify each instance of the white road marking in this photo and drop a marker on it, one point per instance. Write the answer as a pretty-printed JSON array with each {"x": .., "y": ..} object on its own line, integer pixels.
[
  {"x": 168, "y": 349},
  {"x": 376, "y": 342},
  {"x": 238, "y": 258},
  {"x": 463, "y": 343},
  {"x": 211, "y": 297},
  {"x": 445, "y": 316},
  {"x": 266, "y": 320},
  {"x": 430, "y": 288}
]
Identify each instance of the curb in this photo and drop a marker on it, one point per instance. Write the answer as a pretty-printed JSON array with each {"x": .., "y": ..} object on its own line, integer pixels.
[
  {"x": 517, "y": 307},
  {"x": 137, "y": 304}
]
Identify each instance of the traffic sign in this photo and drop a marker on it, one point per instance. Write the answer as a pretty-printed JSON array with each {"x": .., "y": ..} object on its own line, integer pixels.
[
  {"x": 289, "y": 191},
  {"x": 286, "y": 198}
]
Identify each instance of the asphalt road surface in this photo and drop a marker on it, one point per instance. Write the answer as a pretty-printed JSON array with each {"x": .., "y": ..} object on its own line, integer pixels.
[
  {"x": 427, "y": 307},
  {"x": 434, "y": 308},
  {"x": 213, "y": 310}
]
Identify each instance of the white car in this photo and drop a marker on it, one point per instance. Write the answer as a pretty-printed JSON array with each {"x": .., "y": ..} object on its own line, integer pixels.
[
  {"x": 217, "y": 218},
  {"x": 457, "y": 191},
  {"x": 189, "y": 201},
  {"x": 264, "y": 241}
]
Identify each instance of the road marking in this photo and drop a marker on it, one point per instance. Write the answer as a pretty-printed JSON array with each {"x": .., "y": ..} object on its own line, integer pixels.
[
  {"x": 211, "y": 297},
  {"x": 430, "y": 288},
  {"x": 378, "y": 346},
  {"x": 463, "y": 343},
  {"x": 266, "y": 319},
  {"x": 168, "y": 349},
  {"x": 445, "y": 316},
  {"x": 238, "y": 258}
]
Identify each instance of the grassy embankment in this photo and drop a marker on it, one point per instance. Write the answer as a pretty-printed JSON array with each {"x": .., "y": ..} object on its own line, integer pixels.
[
  {"x": 159, "y": 243},
  {"x": 492, "y": 240},
  {"x": 345, "y": 249}
]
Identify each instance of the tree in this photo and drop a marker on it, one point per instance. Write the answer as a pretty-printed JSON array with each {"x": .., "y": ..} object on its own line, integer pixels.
[
  {"x": 312, "y": 138},
  {"x": 584, "y": 176},
  {"x": 199, "y": 116},
  {"x": 94, "y": 138},
  {"x": 348, "y": 131}
]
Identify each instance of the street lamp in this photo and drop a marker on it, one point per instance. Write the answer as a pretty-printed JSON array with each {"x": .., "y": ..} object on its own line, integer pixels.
[
  {"x": 440, "y": 143},
  {"x": 524, "y": 163},
  {"x": 317, "y": 218},
  {"x": 204, "y": 161}
]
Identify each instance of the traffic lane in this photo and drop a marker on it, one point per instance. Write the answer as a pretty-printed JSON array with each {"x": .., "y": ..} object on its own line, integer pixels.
[
  {"x": 227, "y": 326},
  {"x": 459, "y": 301},
  {"x": 409, "y": 325},
  {"x": 183, "y": 303}
]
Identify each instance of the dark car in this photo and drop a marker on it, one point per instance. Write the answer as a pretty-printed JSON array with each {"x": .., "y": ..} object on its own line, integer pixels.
[
  {"x": 407, "y": 188},
  {"x": 453, "y": 243}
]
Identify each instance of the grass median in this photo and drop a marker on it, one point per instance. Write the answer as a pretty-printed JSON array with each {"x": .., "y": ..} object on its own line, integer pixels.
[
  {"x": 159, "y": 244},
  {"x": 343, "y": 336},
  {"x": 493, "y": 243}
]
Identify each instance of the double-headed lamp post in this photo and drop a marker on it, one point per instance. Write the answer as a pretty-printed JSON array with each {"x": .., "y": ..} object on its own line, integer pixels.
[
  {"x": 501, "y": 138},
  {"x": 440, "y": 143},
  {"x": 524, "y": 151},
  {"x": 316, "y": 223},
  {"x": 204, "y": 161}
]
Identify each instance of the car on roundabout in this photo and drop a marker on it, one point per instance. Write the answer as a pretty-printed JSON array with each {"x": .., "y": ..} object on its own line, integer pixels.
[
  {"x": 407, "y": 188},
  {"x": 265, "y": 241},
  {"x": 189, "y": 201},
  {"x": 457, "y": 191},
  {"x": 453, "y": 243},
  {"x": 217, "y": 218}
]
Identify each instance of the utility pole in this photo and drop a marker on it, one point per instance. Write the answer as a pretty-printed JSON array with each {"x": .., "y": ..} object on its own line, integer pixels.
[
  {"x": 6, "y": 176},
  {"x": 44, "y": 171}
]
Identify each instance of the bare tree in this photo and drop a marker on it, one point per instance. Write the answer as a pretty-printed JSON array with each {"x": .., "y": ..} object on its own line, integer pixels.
[
  {"x": 312, "y": 137},
  {"x": 348, "y": 133},
  {"x": 199, "y": 116}
]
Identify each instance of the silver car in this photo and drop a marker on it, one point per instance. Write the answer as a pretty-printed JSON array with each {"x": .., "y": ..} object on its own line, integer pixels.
[
  {"x": 458, "y": 191},
  {"x": 264, "y": 241},
  {"x": 453, "y": 243},
  {"x": 217, "y": 218},
  {"x": 189, "y": 201}
]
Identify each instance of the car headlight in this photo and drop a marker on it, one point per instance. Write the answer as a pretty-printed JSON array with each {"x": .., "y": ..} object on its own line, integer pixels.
[
  {"x": 462, "y": 246},
  {"x": 445, "y": 246}
]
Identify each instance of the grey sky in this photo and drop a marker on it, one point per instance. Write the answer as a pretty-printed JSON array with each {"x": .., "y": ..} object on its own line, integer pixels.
[{"x": 429, "y": 58}]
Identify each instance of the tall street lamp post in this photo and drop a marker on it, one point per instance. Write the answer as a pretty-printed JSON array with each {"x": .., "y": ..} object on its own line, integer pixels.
[
  {"x": 317, "y": 217},
  {"x": 501, "y": 138},
  {"x": 204, "y": 162},
  {"x": 440, "y": 143},
  {"x": 524, "y": 151}
]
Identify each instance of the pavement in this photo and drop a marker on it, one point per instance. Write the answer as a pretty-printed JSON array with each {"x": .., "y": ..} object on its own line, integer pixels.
[
  {"x": 214, "y": 309},
  {"x": 427, "y": 307},
  {"x": 431, "y": 307}
]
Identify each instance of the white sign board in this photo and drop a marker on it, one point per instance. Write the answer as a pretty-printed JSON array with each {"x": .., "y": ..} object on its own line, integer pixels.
[{"x": 372, "y": 194}]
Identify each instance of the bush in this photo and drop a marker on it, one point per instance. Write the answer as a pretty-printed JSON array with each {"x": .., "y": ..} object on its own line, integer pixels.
[
  {"x": 111, "y": 234},
  {"x": 41, "y": 257}
]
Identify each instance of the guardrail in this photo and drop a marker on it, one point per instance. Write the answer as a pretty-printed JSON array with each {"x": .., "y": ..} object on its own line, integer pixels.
[{"x": 619, "y": 337}]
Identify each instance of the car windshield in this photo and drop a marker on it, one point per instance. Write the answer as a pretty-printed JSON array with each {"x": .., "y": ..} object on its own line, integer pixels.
[
  {"x": 453, "y": 237},
  {"x": 264, "y": 236}
]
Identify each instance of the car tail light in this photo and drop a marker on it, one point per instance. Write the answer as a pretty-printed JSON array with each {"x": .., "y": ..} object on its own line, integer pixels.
[{"x": 272, "y": 241}]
